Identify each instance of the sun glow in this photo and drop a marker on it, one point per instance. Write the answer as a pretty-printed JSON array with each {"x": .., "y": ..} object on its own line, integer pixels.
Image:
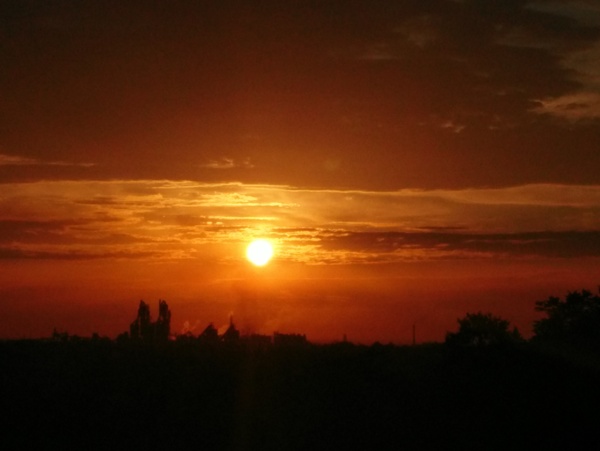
[{"x": 259, "y": 252}]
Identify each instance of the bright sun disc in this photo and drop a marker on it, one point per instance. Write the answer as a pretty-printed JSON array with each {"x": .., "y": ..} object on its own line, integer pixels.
[{"x": 259, "y": 252}]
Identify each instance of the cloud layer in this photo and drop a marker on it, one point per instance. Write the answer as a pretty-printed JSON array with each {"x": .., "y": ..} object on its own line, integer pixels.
[{"x": 190, "y": 220}]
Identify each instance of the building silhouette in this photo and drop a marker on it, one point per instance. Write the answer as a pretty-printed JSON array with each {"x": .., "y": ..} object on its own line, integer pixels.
[
  {"x": 143, "y": 329},
  {"x": 209, "y": 335},
  {"x": 231, "y": 335}
]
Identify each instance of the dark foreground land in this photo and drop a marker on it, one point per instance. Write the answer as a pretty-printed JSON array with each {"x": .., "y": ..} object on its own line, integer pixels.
[{"x": 104, "y": 395}]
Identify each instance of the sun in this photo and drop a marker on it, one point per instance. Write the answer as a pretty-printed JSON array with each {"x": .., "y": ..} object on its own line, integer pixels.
[{"x": 259, "y": 252}]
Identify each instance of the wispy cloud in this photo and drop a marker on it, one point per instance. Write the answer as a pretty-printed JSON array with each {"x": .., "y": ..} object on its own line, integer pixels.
[
  {"x": 573, "y": 107},
  {"x": 586, "y": 12},
  {"x": 579, "y": 59},
  {"x": 227, "y": 163},
  {"x": 582, "y": 104},
  {"x": 16, "y": 160}
]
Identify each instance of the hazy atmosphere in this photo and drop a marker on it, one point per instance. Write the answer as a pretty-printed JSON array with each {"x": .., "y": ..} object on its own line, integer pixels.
[{"x": 409, "y": 161}]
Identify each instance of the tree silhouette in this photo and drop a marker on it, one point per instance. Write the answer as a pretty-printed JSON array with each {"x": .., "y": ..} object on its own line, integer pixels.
[
  {"x": 575, "y": 320},
  {"x": 142, "y": 328},
  {"x": 482, "y": 329},
  {"x": 163, "y": 323}
]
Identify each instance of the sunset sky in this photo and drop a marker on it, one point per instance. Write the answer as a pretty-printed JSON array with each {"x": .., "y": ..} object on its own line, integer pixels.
[{"x": 410, "y": 160}]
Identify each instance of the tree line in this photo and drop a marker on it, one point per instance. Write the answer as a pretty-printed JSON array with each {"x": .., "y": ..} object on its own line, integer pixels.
[{"x": 574, "y": 321}]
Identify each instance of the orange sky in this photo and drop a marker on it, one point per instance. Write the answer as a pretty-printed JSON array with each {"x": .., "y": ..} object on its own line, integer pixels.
[{"x": 411, "y": 161}]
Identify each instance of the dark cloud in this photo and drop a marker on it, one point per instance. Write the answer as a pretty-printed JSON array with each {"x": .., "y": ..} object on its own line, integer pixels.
[
  {"x": 539, "y": 244},
  {"x": 11, "y": 254},
  {"x": 15, "y": 253},
  {"x": 338, "y": 93},
  {"x": 441, "y": 228},
  {"x": 62, "y": 233},
  {"x": 33, "y": 231}
]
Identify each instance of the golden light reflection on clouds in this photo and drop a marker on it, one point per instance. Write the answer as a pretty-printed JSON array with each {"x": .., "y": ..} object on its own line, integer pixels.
[{"x": 175, "y": 220}]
